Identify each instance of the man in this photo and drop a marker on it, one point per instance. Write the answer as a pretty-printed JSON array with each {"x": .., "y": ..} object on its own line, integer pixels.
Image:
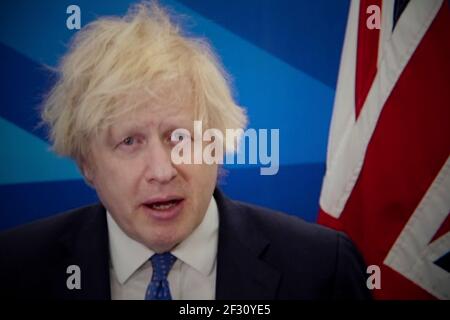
[{"x": 162, "y": 230}]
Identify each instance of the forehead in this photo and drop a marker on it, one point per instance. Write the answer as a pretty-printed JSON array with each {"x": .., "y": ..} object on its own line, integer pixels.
[
  {"x": 163, "y": 111},
  {"x": 154, "y": 116}
]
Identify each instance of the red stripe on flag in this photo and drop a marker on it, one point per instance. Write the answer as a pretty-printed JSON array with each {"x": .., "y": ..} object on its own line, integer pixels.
[
  {"x": 367, "y": 55},
  {"x": 406, "y": 152},
  {"x": 444, "y": 228}
]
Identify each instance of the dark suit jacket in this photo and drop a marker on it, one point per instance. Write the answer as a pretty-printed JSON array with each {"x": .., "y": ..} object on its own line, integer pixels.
[{"x": 261, "y": 255}]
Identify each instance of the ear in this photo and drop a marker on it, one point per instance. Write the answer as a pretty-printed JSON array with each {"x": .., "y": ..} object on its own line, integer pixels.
[{"x": 88, "y": 172}]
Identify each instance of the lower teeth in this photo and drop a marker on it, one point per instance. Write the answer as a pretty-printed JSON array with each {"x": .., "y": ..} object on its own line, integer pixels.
[{"x": 162, "y": 206}]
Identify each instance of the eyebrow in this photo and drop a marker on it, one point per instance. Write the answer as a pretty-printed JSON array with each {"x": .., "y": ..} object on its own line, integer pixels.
[
  {"x": 131, "y": 127},
  {"x": 114, "y": 133}
]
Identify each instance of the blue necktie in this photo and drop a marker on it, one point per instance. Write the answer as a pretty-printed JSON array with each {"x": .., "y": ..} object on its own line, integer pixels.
[{"x": 158, "y": 289}]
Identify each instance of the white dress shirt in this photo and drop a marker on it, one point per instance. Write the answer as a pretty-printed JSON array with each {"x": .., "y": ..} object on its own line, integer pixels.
[{"x": 193, "y": 276}]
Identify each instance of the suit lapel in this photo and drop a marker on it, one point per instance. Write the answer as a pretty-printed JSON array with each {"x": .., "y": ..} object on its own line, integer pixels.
[
  {"x": 86, "y": 246},
  {"x": 241, "y": 271}
]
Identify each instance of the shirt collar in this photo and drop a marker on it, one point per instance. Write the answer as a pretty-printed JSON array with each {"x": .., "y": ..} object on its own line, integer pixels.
[
  {"x": 127, "y": 255},
  {"x": 198, "y": 250}
]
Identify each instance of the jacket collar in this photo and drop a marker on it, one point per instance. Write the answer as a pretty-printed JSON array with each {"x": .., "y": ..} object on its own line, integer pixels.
[
  {"x": 241, "y": 271},
  {"x": 86, "y": 246}
]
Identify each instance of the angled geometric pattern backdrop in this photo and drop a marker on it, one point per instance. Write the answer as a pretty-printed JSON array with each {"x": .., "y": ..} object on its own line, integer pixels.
[{"x": 283, "y": 57}]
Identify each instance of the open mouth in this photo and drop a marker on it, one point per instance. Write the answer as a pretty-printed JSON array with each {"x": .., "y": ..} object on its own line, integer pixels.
[
  {"x": 163, "y": 205},
  {"x": 164, "y": 209}
]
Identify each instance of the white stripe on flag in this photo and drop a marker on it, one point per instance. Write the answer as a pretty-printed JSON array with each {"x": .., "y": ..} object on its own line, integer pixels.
[
  {"x": 387, "y": 21},
  {"x": 346, "y": 155},
  {"x": 412, "y": 255},
  {"x": 344, "y": 101}
]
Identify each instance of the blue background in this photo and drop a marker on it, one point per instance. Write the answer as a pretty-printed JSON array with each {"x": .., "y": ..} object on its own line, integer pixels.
[{"x": 283, "y": 57}]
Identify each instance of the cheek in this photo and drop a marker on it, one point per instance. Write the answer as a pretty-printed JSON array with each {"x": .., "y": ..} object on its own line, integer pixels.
[
  {"x": 198, "y": 175},
  {"x": 117, "y": 180},
  {"x": 210, "y": 173},
  {"x": 203, "y": 180}
]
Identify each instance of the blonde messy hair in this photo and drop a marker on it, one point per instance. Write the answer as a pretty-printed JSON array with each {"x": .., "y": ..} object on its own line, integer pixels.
[{"x": 113, "y": 58}]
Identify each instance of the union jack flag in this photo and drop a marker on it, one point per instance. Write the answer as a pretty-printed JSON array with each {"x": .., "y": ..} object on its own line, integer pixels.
[{"x": 387, "y": 182}]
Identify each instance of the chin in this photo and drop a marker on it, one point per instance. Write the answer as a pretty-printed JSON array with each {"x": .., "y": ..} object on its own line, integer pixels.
[
  {"x": 166, "y": 240},
  {"x": 161, "y": 247}
]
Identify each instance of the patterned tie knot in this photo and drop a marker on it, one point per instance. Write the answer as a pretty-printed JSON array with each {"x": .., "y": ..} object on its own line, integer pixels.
[{"x": 162, "y": 263}]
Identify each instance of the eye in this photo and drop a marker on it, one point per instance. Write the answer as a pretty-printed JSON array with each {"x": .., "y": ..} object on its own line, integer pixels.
[
  {"x": 179, "y": 135},
  {"x": 128, "y": 141}
]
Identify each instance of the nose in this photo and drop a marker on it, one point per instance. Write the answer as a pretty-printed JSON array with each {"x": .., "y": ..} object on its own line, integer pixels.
[{"x": 159, "y": 166}]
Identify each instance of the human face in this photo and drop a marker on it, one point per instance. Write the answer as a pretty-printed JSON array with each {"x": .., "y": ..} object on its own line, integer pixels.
[{"x": 155, "y": 202}]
